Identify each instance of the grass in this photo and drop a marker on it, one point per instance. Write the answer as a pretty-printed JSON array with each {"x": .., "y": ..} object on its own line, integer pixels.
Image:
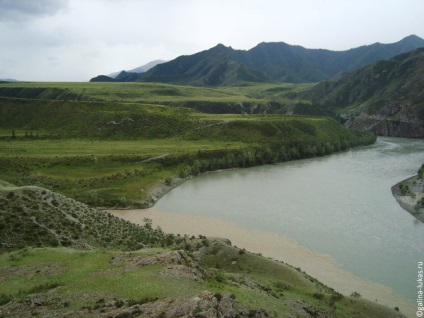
[
  {"x": 145, "y": 148},
  {"x": 91, "y": 267},
  {"x": 267, "y": 286},
  {"x": 146, "y": 92},
  {"x": 71, "y": 160}
]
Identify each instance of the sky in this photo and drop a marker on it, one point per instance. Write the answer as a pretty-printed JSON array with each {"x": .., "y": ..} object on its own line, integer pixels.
[{"x": 75, "y": 40}]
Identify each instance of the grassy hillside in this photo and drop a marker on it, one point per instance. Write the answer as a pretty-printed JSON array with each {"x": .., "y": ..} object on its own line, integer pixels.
[
  {"x": 170, "y": 276},
  {"x": 125, "y": 154},
  {"x": 250, "y": 99}
]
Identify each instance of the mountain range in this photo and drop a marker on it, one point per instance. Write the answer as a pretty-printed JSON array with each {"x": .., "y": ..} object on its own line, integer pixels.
[{"x": 266, "y": 62}]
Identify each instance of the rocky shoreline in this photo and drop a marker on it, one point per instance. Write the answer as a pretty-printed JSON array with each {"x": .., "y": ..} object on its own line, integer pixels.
[{"x": 416, "y": 186}]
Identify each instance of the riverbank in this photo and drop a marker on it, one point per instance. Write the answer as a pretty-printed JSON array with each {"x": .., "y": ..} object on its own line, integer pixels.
[
  {"x": 415, "y": 186},
  {"x": 157, "y": 191},
  {"x": 282, "y": 248}
]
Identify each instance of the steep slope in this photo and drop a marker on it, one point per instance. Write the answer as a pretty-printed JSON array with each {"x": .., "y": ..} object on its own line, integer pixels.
[
  {"x": 271, "y": 62},
  {"x": 386, "y": 97},
  {"x": 34, "y": 216}
]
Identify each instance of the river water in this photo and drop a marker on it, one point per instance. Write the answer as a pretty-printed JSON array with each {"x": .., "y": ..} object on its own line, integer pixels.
[{"x": 340, "y": 205}]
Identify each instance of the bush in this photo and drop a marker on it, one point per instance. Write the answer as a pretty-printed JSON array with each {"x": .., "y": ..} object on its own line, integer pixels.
[
  {"x": 168, "y": 181},
  {"x": 4, "y": 299},
  {"x": 355, "y": 295}
]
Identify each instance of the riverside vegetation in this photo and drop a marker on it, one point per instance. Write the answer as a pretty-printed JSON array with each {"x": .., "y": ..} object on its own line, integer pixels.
[
  {"x": 410, "y": 194},
  {"x": 57, "y": 156}
]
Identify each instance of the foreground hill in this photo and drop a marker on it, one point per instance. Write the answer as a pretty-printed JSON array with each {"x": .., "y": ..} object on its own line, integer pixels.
[
  {"x": 201, "y": 277},
  {"x": 268, "y": 62},
  {"x": 386, "y": 97},
  {"x": 34, "y": 216}
]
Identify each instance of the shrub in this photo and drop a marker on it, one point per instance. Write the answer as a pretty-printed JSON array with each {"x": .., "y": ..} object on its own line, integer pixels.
[
  {"x": 318, "y": 296},
  {"x": 4, "y": 299},
  {"x": 168, "y": 181}
]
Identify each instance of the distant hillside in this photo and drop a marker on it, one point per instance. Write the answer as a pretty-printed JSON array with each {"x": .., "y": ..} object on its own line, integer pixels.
[
  {"x": 145, "y": 67},
  {"x": 278, "y": 61},
  {"x": 7, "y": 80},
  {"x": 386, "y": 97},
  {"x": 128, "y": 75}
]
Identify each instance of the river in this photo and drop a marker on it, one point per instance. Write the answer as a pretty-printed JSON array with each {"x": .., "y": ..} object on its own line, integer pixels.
[{"x": 339, "y": 205}]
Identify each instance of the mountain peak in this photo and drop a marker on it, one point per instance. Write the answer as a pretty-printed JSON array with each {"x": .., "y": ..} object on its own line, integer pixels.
[
  {"x": 413, "y": 39},
  {"x": 221, "y": 47}
]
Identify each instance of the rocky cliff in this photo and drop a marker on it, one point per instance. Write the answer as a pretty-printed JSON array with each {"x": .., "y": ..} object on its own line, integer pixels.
[{"x": 386, "y": 97}]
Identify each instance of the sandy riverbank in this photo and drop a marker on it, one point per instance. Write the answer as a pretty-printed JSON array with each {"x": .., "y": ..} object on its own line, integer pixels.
[
  {"x": 406, "y": 201},
  {"x": 273, "y": 245}
]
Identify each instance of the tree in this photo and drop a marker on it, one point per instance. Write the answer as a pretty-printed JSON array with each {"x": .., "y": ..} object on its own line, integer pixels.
[
  {"x": 404, "y": 189},
  {"x": 147, "y": 223},
  {"x": 421, "y": 172}
]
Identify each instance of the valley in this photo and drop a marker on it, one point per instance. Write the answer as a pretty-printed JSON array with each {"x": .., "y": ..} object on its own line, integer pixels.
[{"x": 69, "y": 151}]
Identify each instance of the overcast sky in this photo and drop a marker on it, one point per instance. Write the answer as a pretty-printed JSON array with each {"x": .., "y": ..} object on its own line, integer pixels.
[{"x": 74, "y": 40}]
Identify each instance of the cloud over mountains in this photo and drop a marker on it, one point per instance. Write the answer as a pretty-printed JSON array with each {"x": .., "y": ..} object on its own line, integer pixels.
[{"x": 22, "y": 10}]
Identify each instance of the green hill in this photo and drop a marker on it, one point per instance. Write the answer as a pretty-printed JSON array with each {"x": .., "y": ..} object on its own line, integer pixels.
[
  {"x": 124, "y": 154},
  {"x": 385, "y": 97},
  {"x": 197, "y": 277}
]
